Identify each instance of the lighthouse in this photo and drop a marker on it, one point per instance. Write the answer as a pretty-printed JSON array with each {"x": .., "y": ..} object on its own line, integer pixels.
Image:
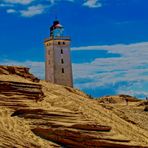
[{"x": 58, "y": 66}]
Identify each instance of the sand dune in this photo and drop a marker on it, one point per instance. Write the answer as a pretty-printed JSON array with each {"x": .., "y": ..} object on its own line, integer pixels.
[{"x": 24, "y": 117}]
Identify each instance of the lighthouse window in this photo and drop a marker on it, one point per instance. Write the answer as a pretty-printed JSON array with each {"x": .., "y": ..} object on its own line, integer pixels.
[
  {"x": 62, "y": 70},
  {"x": 62, "y": 61},
  {"x": 61, "y": 51},
  {"x": 63, "y": 43},
  {"x": 59, "y": 43}
]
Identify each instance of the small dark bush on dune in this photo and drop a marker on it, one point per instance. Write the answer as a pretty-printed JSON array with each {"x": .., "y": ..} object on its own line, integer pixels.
[{"x": 146, "y": 108}]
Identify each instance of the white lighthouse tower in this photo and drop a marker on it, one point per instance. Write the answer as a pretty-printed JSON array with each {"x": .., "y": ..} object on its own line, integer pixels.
[{"x": 58, "y": 67}]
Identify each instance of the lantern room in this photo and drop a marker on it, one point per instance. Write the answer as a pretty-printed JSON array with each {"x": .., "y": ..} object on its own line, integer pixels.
[{"x": 56, "y": 29}]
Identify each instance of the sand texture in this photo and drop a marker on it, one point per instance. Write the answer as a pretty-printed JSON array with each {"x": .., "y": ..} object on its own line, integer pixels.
[{"x": 43, "y": 115}]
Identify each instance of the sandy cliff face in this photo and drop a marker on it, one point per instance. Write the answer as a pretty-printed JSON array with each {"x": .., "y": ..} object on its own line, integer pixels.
[
  {"x": 7, "y": 72},
  {"x": 46, "y": 115}
]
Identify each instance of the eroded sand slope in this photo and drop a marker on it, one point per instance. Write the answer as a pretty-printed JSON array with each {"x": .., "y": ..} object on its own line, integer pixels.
[{"x": 53, "y": 115}]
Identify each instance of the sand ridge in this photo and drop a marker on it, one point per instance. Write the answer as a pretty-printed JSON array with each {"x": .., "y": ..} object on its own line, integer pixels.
[{"x": 64, "y": 106}]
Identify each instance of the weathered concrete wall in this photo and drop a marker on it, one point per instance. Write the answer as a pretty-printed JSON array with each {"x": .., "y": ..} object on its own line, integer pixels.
[
  {"x": 49, "y": 64},
  {"x": 56, "y": 60}
]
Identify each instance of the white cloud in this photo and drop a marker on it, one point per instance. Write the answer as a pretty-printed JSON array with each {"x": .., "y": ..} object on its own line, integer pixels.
[
  {"x": 127, "y": 74},
  {"x": 33, "y": 10},
  {"x": 92, "y": 3},
  {"x": 26, "y": 8},
  {"x": 54, "y": 1},
  {"x": 23, "y": 2},
  {"x": 5, "y": 5},
  {"x": 29, "y": 8},
  {"x": 130, "y": 68},
  {"x": 11, "y": 11}
]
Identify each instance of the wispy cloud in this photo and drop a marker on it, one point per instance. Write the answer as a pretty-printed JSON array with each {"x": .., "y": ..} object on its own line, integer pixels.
[
  {"x": 29, "y": 8},
  {"x": 126, "y": 74},
  {"x": 3, "y": 5},
  {"x": 92, "y": 3},
  {"x": 23, "y": 2},
  {"x": 11, "y": 11},
  {"x": 33, "y": 10}
]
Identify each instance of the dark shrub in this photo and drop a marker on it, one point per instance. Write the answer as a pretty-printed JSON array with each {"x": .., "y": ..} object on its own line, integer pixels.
[{"x": 146, "y": 108}]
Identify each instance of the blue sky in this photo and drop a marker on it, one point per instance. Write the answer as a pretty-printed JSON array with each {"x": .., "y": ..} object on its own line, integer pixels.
[{"x": 109, "y": 41}]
